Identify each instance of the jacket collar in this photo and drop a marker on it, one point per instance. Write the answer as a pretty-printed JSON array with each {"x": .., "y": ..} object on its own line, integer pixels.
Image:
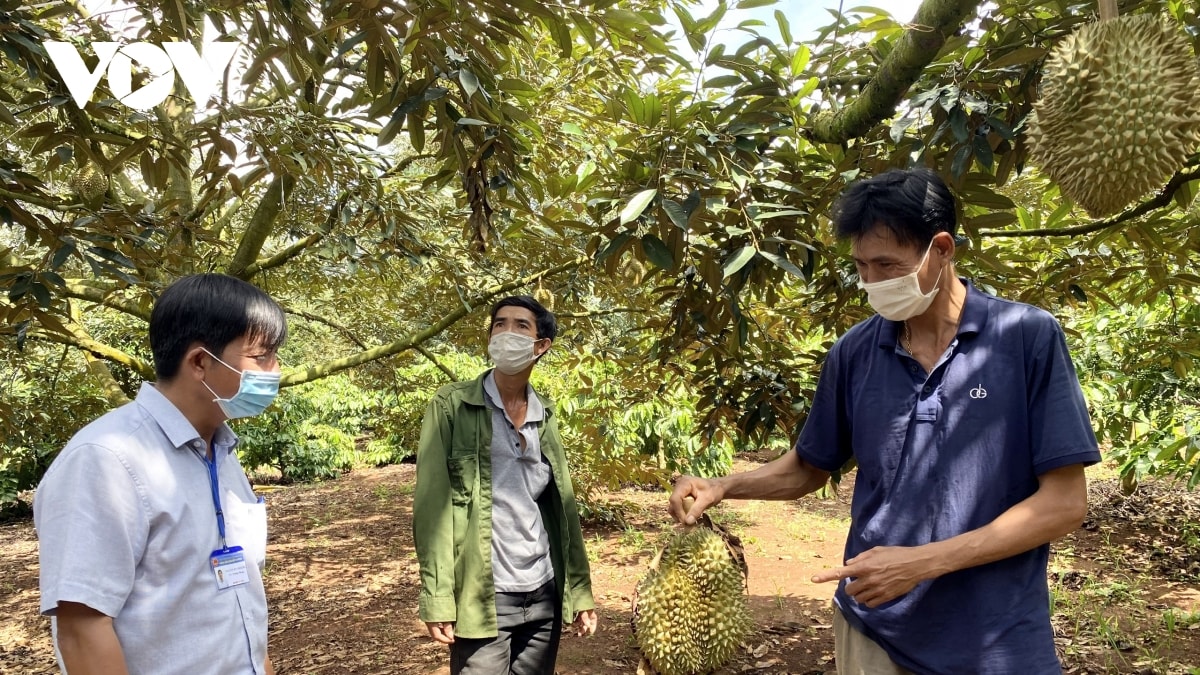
[{"x": 474, "y": 395}]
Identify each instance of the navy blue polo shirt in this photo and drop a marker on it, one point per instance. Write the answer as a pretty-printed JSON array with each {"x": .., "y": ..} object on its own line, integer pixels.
[{"x": 946, "y": 452}]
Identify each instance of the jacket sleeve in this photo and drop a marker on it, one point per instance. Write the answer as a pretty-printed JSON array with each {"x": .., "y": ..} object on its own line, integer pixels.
[
  {"x": 433, "y": 525},
  {"x": 578, "y": 573}
]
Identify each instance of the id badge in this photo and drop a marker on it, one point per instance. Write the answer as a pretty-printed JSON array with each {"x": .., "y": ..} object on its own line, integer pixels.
[{"x": 229, "y": 567}]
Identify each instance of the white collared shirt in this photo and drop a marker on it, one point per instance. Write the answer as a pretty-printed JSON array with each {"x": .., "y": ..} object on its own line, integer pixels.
[{"x": 126, "y": 522}]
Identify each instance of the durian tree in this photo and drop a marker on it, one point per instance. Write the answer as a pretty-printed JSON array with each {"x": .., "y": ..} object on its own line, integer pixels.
[{"x": 385, "y": 168}]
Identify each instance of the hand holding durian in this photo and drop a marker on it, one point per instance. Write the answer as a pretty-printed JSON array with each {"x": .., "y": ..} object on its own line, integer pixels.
[{"x": 689, "y": 612}]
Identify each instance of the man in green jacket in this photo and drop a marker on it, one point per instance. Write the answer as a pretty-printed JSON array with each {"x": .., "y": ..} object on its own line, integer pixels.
[{"x": 495, "y": 521}]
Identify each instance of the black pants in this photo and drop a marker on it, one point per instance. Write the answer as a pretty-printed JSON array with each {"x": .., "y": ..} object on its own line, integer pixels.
[{"x": 530, "y": 626}]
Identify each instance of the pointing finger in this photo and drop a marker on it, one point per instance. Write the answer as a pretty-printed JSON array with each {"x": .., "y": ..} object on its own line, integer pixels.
[{"x": 835, "y": 574}]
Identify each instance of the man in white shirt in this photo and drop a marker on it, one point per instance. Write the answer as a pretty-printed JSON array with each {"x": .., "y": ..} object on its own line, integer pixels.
[{"x": 151, "y": 538}]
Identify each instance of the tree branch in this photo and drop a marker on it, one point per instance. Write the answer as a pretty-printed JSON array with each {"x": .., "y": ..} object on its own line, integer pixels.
[
  {"x": 597, "y": 312},
  {"x": 43, "y": 202},
  {"x": 1163, "y": 198},
  {"x": 296, "y": 248},
  {"x": 440, "y": 366},
  {"x": 261, "y": 224},
  {"x": 291, "y": 251},
  {"x": 81, "y": 291},
  {"x": 935, "y": 21},
  {"x": 98, "y": 367},
  {"x": 412, "y": 341},
  {"x": 316, "y": 318},
  {"x": 81, "y": 340}
]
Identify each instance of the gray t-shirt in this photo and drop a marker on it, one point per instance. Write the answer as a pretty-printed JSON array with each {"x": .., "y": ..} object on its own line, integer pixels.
[
  {"x": 126, "y": 524},
  {"x": 520, "y": 545}
]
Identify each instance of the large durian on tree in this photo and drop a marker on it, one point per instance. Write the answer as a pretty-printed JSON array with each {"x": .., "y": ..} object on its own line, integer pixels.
[
  {"x": 1119, "y": 111},
  {"x": 689, "y": 611}
]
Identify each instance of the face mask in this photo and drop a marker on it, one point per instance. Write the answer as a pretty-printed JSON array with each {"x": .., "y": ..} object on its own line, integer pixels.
[
  {"x": 511, "y": 352},
  {"x": 255, "y": 392},
  {"x": 901, "y": 298}
]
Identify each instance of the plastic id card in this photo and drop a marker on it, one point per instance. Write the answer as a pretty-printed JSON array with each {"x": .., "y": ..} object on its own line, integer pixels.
[{"x": 229, "y": 567}]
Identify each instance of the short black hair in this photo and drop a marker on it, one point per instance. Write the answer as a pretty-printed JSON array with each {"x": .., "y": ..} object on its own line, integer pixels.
[
  {"x": 547, "y": 326},
  {"x": 914, "y": 204},
  {"x": 214, "y": 310}
]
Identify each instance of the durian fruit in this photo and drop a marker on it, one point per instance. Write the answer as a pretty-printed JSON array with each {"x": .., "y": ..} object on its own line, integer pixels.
[
  {"x": 88, "y": 183},
  {"x": 1119, "y": 111},
  {"x": 545, "y": 297},
  {"x": 690, "y": 613}
]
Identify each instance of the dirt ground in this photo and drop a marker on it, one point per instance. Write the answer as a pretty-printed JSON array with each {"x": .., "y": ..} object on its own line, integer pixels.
[{"x": 342, "y": 582}]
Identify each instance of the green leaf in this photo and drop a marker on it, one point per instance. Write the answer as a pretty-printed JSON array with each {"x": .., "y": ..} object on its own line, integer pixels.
[
  {"x": 751, "y": 4},
  {"x": 783, "y": 264},
  {"x": 1018, "y": 56},
  {"x": 613, "y": 246},
  {"x": 962, "y": 161},
  {"x": 724, "y": 82},
  {"x": 637, "y": 204},
  {"x": 958, "y": 123},
  {"x": 657, "y": 252},
  {"x": 737, "y": 261},
  {"x": 7, "y": 117},
  {"x": 676, "y": 213},
  {"x": 112, "y": 256},
  {"x": 992, "y": 220},
  {"x": 469, "y": 82},
  {"x": 785, "y": 32},
  {"x": 515, "y": 86},
  {"x": 571, "y": 128}
]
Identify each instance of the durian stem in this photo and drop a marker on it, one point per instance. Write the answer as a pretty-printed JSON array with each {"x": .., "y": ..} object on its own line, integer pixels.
[{"x": 1108, "y": 10}]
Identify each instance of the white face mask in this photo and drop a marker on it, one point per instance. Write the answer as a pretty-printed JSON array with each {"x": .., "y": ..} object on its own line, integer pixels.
[
  {"x": 901, "y": 298},
  {"x": 511, "y": 352}
]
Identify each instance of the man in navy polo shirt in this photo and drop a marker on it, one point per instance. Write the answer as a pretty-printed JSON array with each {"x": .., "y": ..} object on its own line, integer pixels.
[{"x": 971, "y": 434}]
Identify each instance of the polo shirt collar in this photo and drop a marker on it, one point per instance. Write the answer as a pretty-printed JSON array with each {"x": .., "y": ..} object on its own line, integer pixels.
[
  {"x": 974, "y": 317},
  {"x": 178, "y": 429},
  {"x": 535, "y": 412}
]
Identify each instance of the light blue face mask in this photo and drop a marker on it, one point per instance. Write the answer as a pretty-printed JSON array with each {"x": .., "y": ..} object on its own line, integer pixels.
[{"x": 255, "y": 393}]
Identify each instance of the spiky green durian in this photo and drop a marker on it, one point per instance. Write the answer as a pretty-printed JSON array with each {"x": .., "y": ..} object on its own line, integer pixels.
[
  {"x": 690, "y": 614},
  {"x": 88, "y": 182},
  {"x": 1119, "y": 111}
]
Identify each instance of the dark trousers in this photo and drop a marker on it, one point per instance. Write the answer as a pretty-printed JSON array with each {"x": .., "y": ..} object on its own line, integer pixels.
[{"x": 530, "y": 625}]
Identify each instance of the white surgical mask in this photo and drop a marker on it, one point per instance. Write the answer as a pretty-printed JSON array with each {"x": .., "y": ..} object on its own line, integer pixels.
[
  {"x": 901, "y": 298},
  {"x": 511, "y": 352}
]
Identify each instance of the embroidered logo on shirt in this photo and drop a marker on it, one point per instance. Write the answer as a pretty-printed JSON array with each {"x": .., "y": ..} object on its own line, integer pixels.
[{"x": 978, "y": 392}]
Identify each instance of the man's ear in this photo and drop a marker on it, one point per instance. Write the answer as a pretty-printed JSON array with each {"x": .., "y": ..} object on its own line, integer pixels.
[
  {"x": 549, "y": 343},
  {"x": 195, "y": 361},
  {"x": 944, "y": 242}
]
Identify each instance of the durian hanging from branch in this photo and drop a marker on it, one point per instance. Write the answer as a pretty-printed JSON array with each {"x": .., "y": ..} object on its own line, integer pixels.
[{"x": 1119, "y": 111}]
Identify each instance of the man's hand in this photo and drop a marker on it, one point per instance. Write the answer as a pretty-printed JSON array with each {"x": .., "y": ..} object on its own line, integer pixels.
[
  {"x": 441, "y": 631},
  {"x": 705, "y": 492},
  {"x": 585, "y": 622},
  {"x": 882, "y": 574}
]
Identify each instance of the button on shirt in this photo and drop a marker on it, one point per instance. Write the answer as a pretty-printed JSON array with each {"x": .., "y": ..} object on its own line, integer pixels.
[
  {"x": 126, "y": 522},
  {"x": 946, "y": 452},
  {"x": 520, "y": 545}
]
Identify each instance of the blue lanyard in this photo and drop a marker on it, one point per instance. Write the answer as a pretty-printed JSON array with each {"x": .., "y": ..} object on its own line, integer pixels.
[{"x": 216, "y": 493}]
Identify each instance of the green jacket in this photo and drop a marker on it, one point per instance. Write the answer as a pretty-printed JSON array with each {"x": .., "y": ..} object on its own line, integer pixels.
[{"x": 452, "y": 514}]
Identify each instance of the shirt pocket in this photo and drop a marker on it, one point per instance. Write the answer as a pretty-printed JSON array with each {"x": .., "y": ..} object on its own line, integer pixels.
[
  {"x": 463, "y": 470},
  {"x": 247, "y": 524}
]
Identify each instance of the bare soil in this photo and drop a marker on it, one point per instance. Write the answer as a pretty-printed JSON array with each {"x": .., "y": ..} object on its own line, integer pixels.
[{"x": 342, "y": 582}]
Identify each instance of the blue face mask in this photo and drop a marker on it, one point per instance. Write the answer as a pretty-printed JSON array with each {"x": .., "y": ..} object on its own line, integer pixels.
[{"x": 256, "y": 392}]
